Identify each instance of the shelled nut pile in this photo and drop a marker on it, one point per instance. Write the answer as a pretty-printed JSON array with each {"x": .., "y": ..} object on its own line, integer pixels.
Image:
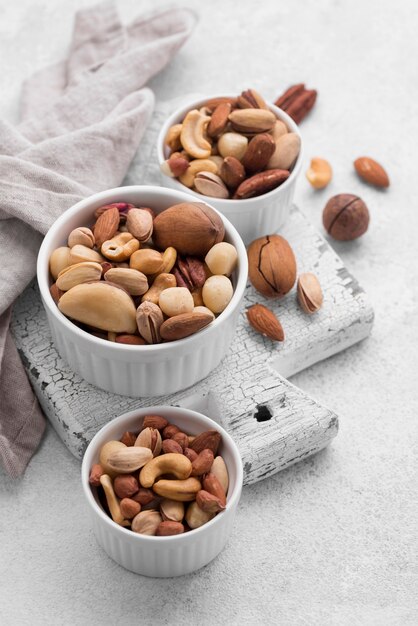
[
  {"x": 231, "y": 148},
  {"x": 161, "y": 481},
  {"x": 139, "y": 278}
]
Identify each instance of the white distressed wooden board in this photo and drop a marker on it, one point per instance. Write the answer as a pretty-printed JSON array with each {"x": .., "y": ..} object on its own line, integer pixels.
[{"x": 251, "y": 381}]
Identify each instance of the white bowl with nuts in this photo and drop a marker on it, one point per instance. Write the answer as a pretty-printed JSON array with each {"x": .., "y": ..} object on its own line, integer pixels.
[
  {"x": 240, "y": 154},
  {"x": 184, "y": 515},
  {"x": 142, "y": 287}
]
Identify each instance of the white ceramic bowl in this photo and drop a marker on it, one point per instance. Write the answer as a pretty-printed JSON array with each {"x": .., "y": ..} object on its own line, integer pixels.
[
  {"x": 163, "y": 556},
  {"x": 253, "y": 217},
  {"x": 138, "y": 371}
]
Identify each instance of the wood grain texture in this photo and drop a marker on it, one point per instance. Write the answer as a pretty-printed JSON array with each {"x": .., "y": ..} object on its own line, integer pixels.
[{"x": 274, "y": 423}]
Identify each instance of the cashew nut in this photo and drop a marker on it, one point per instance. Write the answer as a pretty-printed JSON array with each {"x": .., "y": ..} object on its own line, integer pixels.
[
  {"x": 180, "y": 490},
  {"x": 120, "y": 248},
  {"x": 192, "y": 134},
  {"x": 319, "y": 173},
  {"x": 171, "y": 463},
  {"x": 198, "y": 165},
  {"x": 169, "y": 259},
  {"x": 112, "y": 501},
  {"x": 163, "y": 281},
  {"x": 173, "y": 137}
]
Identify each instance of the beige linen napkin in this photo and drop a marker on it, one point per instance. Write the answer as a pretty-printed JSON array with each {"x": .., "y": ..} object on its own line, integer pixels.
[{"x": 82, "y": 121}]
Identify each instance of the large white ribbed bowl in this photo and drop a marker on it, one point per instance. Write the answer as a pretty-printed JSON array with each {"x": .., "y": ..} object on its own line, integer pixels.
[
  {"x": 163, "y": 556},
  {"x": 253, "y": 217},
  {"x": 138, "y": 371}
]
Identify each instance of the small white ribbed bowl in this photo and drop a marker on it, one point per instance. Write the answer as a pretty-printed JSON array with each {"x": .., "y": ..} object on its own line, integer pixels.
[
  {"x": 252, "y": 217},
  {"x": 163, "y": 556},
  {"x": 138, "y": 371}
]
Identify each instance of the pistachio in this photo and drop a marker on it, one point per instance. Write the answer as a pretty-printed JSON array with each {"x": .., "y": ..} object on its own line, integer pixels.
[
  {"x": 60, "y": 259},
  {"x": 309, "y": 292},
  {"x": 149, "y": 318},
  {"x": 139, "y": 224},
  {"x": 192, "y": 134},
  {"x": 101, "y": 305},
  {"x": 286, "y": 152},
  {"x": 232, "y": 144},
  {"x": 218, "y": 160},
  {"x": 198, "y": 165},
  {"x": 195, "y": 517},
  {"x": 81, "y": 235},
  {"x": 175, "y": 301},
  {"x": 134, "y": 282},
  {"x": 162, "y": 281},
  {"x": 210, "y": 185},
  {"x": 106, "y": 450},
  {"x": 172, "y": 510},
  {"x": 80, "y": 253},
  {"x": 147, "y": 261},
  {"x": 78, "y": 273},
  {"x": 252, "y": 120},
  {"x": 146, "y": 522},
  {"x": 217, "y": 293},
  {"x": 120, "y": 248}
]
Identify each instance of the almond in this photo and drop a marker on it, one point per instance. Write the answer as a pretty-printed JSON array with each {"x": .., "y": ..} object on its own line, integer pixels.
[
  {"x": 371, "y": 172},
  {"x": 219, "y": 119},
  {"x": 232, "y": 172},
  {"x": 265, "y": 322},
  {"x": 258, "y": 153},
  {"x": 209, "y": 439},
  {"x": 106, "y": 226},
  {"x": 183, "y": 325}
]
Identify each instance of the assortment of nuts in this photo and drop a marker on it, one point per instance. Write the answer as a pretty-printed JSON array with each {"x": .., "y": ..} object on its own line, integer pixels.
[
  {"x": 161, "y": 481},
  {"x": 272, "y": 271},
  {"x": 231, "y": 148},
  {"x": 136, "y": 278}
]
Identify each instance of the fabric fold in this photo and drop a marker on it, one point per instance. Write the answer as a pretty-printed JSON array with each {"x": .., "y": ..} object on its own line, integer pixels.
[{"x": 82, "y": 121}]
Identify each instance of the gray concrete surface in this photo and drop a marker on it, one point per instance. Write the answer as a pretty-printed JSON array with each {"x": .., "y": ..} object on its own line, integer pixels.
[{"x": 332, "y": 541}]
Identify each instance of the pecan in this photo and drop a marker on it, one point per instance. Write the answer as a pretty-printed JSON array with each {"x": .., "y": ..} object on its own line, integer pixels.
[
  {"x": 297, "y": 101},
  {"x": 251, "y": 99},
  {"x": 189, "y": 272},
  {"x": 261, "y": 183}
]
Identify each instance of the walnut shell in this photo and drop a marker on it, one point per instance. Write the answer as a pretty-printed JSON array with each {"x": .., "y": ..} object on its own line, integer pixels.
[
  {"x": 272, "y": 266},
  {"x": 192, "y": 228}
]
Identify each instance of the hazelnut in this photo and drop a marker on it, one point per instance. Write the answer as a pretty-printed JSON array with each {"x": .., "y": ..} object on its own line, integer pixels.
[{"x": 345, "y": 217}]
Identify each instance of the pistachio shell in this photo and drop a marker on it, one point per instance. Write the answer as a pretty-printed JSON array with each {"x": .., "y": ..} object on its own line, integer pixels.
[
  {"x": 309, "y": 292},
  {"x": 133, "y": 281},
  {"x": 78, "y": 273},
  {"x": 102, "y": 305}
]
